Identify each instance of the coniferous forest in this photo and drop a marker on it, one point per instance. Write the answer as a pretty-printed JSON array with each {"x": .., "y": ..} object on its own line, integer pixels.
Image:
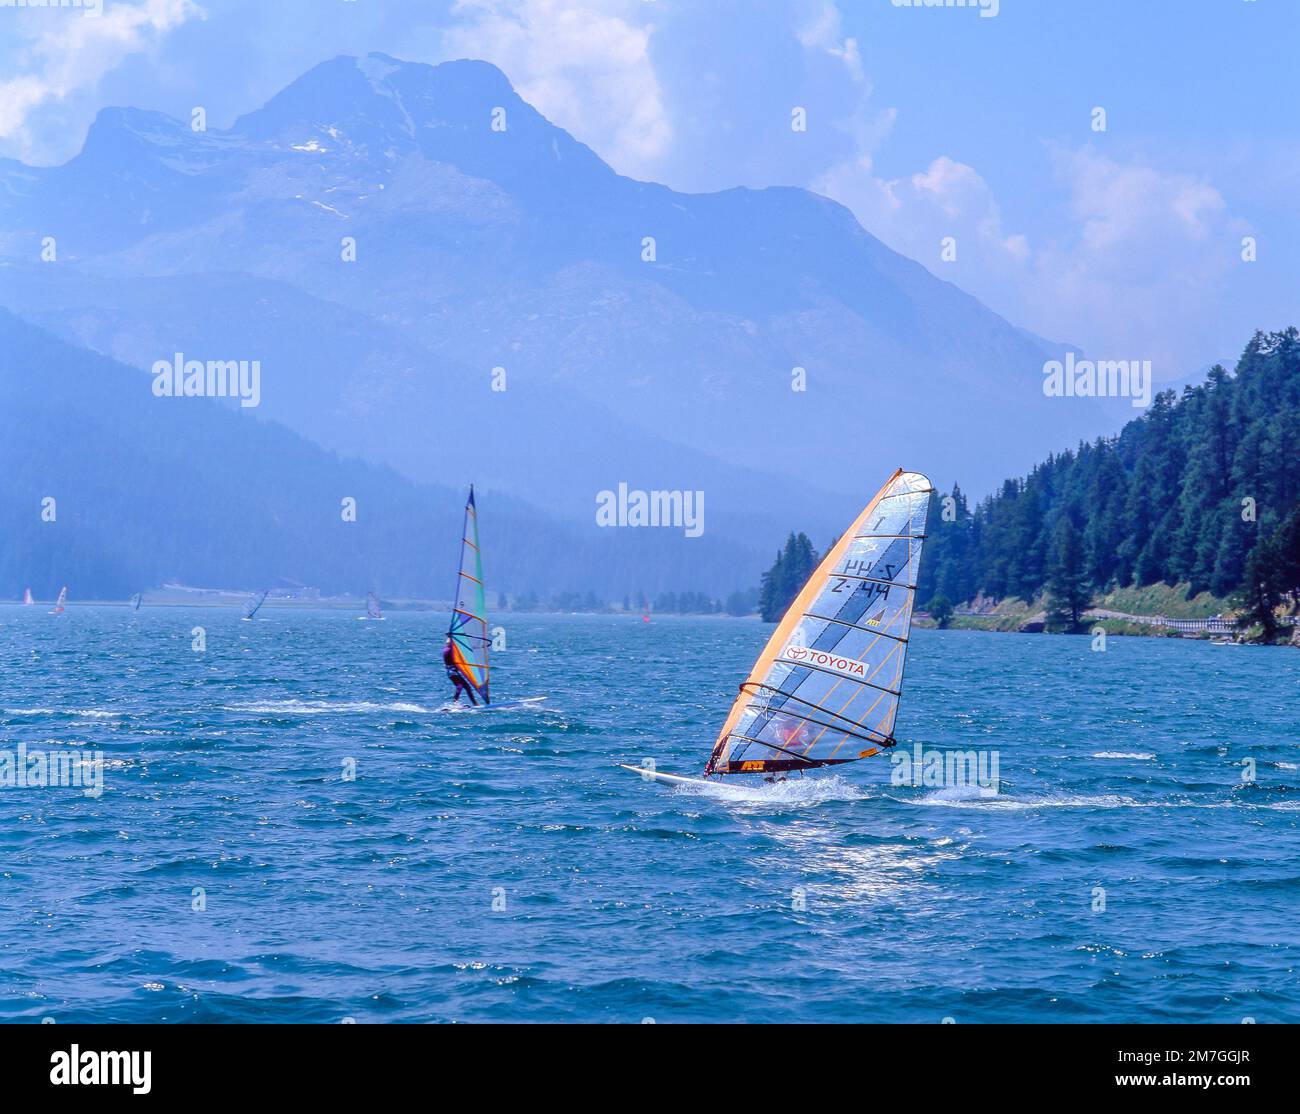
[{"x": 1202, "y": 490}]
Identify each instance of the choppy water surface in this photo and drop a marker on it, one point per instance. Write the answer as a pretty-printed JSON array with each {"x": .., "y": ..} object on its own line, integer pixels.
[{"x": 498, "y": 866}]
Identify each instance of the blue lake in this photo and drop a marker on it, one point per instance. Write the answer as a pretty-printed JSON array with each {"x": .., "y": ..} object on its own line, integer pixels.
[{"x": 497, "y": 865}]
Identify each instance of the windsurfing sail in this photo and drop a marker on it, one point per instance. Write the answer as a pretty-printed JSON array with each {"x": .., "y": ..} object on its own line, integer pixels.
[
  {"x": 372, "y": 606},
  {"x": 469, "y": 630},
  {"x": 136, "y": 601},
  {"x": 825, "y": 689},
  {"x": 63, "y": 599},
  {"x": 253, "y": 606},
  {"x": 27, "y": 598}
]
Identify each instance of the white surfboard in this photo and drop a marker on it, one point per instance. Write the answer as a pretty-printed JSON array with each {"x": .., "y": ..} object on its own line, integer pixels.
[
  {"x": 526, "y": 702},
  {"x": 502, "y": 706},
  {"x": 667, "y": 779}
]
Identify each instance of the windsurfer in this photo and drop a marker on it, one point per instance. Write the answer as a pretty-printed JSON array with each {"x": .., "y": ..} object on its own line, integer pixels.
[{"x": 454, "y": 675}]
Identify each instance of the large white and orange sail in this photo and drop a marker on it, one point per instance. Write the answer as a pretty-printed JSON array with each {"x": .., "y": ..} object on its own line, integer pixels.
[
  {"x": 469, "y": 630},
  {"x": 59, "y": 604},
  {"x": 826, "y": 688},
  {"x": 27, "y": 598}
]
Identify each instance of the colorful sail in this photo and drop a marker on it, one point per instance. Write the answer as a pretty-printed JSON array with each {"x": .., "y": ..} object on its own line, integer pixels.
[
  {"x": 826, "y": 688},
  {"x": 372, "y": 606},
  {"x": 469, "y": 629},
  {"x": 59, "y": 603},
  {"x": 254, "y": 605},
  {"x": 27, "y": 598}
]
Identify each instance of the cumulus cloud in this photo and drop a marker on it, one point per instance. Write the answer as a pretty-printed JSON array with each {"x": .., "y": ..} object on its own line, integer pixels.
[
  {"x": 1119, "y": 205},
  {"x": 584, "y": 64},
  {"x": 69, "y": 51},
  {"x": 1143, "y": 264},
  {"x": 1139, "y": 249},
  {"x": 823, "y": 30},
  {"x": 915, "y": 214}
]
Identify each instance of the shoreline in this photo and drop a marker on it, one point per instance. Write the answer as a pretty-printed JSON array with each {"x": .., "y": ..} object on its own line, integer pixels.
[
  {"x": 1116, "y": 628},
  {"x": 358, "y": 606}
]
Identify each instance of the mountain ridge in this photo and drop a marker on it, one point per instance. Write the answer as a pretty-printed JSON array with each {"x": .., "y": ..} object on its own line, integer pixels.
[{"x": 654, "y": 335}]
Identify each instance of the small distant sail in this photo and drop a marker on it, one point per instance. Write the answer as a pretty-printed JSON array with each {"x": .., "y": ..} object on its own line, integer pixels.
[
  {"x": 825, "y": 690},
  {"x": 253, "y": 606},
  {"x": 27, "y": 598},
  {"x": 372, "y": 606},
  {"x": 59, "y": 603},
  {"x": 469, "y": 632},
  {"x": 136, "y": 601}
]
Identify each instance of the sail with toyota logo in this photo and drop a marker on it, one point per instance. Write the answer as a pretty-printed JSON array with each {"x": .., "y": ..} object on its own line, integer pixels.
[{"x": 826, "y": 688}]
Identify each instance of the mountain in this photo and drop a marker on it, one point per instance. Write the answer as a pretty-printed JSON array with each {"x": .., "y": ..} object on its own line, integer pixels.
[
  {"x": 148, "y": 490},
  {"x": 520, "y": 249}
]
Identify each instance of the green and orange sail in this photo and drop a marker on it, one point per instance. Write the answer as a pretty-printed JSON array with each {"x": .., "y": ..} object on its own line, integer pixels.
[{"x": 469, "y": 629}]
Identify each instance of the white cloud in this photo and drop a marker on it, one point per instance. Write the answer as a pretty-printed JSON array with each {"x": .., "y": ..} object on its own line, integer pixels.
[
  {"x": 69, "y": 53},
  {"x": 1120, "y": 205},
  {"x": 1142, "y": 268},
  {"x": 824, "y": 31},
  {"x": 1135, "y": 270},
  {"x": 584, "y": 65},
  {"x": 914, "y": 214}
]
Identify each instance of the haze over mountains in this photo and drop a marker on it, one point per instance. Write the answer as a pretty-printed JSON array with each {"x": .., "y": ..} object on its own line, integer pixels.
[
  {"x": 520, "y": 249},
  {"x": 148, "y": 491}
]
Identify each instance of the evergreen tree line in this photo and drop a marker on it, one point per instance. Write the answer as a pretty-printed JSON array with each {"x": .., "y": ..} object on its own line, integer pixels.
[{"x": 1202, "y": 489}]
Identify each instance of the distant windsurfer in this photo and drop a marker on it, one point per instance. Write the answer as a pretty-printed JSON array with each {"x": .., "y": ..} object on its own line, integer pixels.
[{"x": 454, "y": 674}]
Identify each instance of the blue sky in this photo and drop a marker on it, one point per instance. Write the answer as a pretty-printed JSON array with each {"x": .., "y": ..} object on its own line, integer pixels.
[{"x": 928, "y": 123}]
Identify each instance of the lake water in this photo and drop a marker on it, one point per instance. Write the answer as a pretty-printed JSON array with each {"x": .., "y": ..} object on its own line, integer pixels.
[{"x": 498, "y": 866}]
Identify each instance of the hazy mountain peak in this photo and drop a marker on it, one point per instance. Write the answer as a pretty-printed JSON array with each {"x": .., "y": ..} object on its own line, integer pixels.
[
  {"x": 119, "y": 132},
  {"x": 486, "y": 236},
  {"x": 380, "y": 109},
  {"x": 378, "y": 87}
]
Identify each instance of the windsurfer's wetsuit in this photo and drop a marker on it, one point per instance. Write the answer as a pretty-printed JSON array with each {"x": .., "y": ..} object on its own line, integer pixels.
[{"x": 453, "y": 675}]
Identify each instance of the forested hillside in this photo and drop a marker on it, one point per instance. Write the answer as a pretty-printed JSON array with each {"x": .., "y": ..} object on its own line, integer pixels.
[
  {"x": 147, "y": 490},
  {"x": 1201, "y": 490}
]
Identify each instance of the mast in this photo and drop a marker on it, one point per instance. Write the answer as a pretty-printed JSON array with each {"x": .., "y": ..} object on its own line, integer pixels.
[{"x": 468, "y": 629}]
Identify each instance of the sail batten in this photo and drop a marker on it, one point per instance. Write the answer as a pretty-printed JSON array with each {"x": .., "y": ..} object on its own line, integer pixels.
[
  {"x": 854, "y": 626},
  {"x": 826, "y": 688},
  {"x": 469, "y": 632},
  {"x": 851, "y": 731}
]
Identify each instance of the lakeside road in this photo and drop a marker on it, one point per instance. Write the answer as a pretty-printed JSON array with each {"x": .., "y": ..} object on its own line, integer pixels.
[{"x": 1149, "y": 626}]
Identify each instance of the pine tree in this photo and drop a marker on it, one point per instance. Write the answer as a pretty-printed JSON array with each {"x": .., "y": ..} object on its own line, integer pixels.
[
  {"x": 941, "y": 611},
  {"x": 1286, "y": 551},
  {"x": 1262, "y": 592},
  {"x": 1067, "y": 585},
  {"x": 782, "y": 582}
]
